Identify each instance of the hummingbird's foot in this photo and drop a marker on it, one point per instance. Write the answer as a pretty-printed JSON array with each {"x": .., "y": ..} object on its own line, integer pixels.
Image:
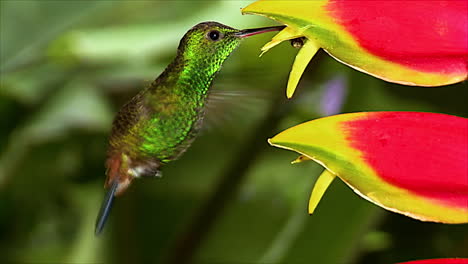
[
  {"x": 158, "y": 174},
  {"x": 152, "y": 174},
  {"x": 146, "y": 168}
]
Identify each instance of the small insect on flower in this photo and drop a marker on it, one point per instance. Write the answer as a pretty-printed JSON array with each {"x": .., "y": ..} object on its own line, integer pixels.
[{"x": 298, "y": 42}]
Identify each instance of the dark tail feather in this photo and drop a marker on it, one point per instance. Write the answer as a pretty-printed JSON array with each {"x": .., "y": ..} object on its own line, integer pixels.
[{"x": 105, "y": 208}]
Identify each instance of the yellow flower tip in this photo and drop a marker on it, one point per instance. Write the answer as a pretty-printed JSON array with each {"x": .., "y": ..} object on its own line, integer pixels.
[
  {"x": 286, "y": 34},
  {"x": 300, "y": 159},
  {"x": 263, "y": 7},
  {"x": 290, "y": 89},
  {"x": 303, "y": 57},
  {"x": 270, "y": 141},
  {"x": 321, "y": 185},
  {"x": 243, "y": 12},
  {"x": 269, "y": 45},
  {"x": 311, "y": 208},
  {"x": 253, "y": 8}
]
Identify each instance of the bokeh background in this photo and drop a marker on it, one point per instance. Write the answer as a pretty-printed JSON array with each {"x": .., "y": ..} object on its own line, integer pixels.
[{"x": 67, "y": 66}]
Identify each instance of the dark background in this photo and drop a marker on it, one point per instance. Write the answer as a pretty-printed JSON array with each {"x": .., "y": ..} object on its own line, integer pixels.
[{"x": 67, "y": 66}]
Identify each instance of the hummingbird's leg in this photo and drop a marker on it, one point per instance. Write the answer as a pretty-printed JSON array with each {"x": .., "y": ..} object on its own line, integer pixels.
[
  {"x": 105, "y": 208},
  {"x": 147, "y": 169},
  {"x": 158, "y": 174},
  {"x": 152, "y": 173}
]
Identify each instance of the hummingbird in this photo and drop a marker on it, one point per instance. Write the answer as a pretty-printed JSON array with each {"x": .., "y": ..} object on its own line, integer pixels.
[{"x": 159, "y": 123}]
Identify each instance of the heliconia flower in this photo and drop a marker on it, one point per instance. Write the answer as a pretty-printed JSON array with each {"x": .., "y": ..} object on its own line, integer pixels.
[
  {"x": 423, "y": 43},
  {"x": 439, "y": 261},
  {"x": 411, "y": 163}
]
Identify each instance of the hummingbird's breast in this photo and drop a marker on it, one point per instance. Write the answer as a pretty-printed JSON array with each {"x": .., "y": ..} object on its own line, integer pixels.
[
  {"x": 156, "y": 125},
  {"x": 161, "y": 121},
  {"x": 167, "y": 132}
]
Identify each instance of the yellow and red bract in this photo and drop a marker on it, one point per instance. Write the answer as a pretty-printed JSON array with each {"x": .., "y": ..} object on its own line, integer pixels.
[
  {"x": 408, "y": 162},
  {"x": 422, "y": 43}
]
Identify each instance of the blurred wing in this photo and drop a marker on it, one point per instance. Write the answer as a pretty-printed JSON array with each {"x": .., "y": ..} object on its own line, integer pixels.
[{"x": 225, "y": 107}]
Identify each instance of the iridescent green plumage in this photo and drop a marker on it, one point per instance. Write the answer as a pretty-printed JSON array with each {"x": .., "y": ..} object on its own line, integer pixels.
[
  {"x": 160, "y": 122},
  {"x": 162, "y": 119}
]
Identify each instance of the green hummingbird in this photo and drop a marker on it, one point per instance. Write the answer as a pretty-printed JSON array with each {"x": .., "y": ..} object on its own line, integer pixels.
[{"x": 161, "y": 121}]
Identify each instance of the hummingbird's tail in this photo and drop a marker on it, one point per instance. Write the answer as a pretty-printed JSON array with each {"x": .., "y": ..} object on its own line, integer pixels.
[{"x": 105, "y": 208}]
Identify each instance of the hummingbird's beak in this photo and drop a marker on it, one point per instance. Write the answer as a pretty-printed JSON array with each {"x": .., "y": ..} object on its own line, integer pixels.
[
  {"x": 254, "y": 31},
  {"x": 106, "y": 207}
]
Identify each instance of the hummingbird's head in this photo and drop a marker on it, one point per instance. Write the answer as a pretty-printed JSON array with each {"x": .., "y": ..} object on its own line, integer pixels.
[{"x": 213, "y": 42}]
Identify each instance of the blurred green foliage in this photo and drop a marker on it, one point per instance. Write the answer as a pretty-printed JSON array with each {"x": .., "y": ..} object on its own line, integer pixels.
[{"x": 67, "y": 66}]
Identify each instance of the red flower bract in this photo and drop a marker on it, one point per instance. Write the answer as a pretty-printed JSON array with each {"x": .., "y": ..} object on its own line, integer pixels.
[
  {"x": 426, "y": 155},
  {"x": 409, "y": 33},
  {"x": 439, "y": 261},
  {"x": 417, "y": 42},
  {"x": 412, "y": 163}
]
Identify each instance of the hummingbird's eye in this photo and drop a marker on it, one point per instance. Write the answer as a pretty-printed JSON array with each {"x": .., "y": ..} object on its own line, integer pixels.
[{"x": 214, "y": 35}]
